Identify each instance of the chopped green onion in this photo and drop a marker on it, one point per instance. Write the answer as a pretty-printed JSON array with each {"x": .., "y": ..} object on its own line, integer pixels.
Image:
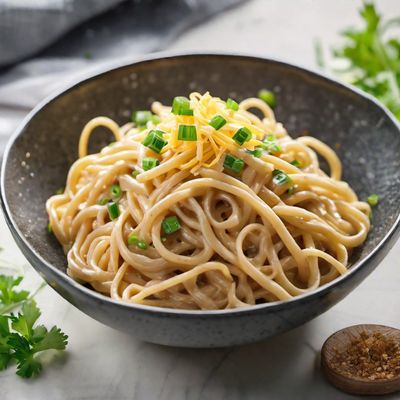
[
  {"x": 155, "y": 141},
  {"x": 187, "y": 133},
  {"x": 290, "y": 191},
  {"x": 271, "y": 145},
  {"x": 149, "y": 163},
  {"x": 49, "y": 228},
  {"x": 242, "y": 135},
  {"x": 141, "y": 118},
  {"x": 217, "y": 122},
  {"x": 280, "y": 177},
  {"x": 181, "y": 106},
  {"x": 373, "y": 200},
  {"x": 163, "y": 239},
  {"x": 155, "y": 119},
  {"x": 133, "y": 239},
  {"x": 111, "y": 144},
  {"x": 60, "y": 191},
  {"x": 171, "y": 224},
  {"x": 103, "y": 201},
  {"x": 268, "y": 97},
  {"x": 296, "y": 163},
  {"x": 115, "y": 191},
  {"x": 142, "y": 245},
  {"x": 257, "y": 152},
  {"x": 232, "y": 104},
  {"x": 135, "y": 173},
  {"x": 233, "y": 163},
  {"x": 113, "y": 210}
]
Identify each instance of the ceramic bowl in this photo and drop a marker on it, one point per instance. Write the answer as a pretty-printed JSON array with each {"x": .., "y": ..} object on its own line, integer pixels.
[{"x": 37, "y": 158}]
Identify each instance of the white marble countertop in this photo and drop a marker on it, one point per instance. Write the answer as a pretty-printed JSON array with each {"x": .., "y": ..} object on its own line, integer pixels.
[{"x": 102, "y": 363}]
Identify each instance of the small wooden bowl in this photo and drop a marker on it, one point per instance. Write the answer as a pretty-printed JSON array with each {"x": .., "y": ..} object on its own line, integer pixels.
[{"x": 356, "y": 385}]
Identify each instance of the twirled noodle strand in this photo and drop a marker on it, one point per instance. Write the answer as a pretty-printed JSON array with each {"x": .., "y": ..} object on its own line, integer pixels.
[{"x": 279, "y": 228}]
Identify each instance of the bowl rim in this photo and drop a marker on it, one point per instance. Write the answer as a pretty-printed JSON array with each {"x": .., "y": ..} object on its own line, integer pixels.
[{"x": 108, "y": 67}]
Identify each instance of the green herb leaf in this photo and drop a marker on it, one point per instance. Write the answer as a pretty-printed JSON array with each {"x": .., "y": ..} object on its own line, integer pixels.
[
  {"x": 171, "y": 224},
  {"x": 26, "y": 340},
  {"x": 140, "y": 118},
  {"x": 296, "y": 163},
  {"x": 25, "y": 320},
  {"x": 54, "y": 339},
  {"x": 29, "y": 367},
  {"x": 8, "y": 295},
  {"x": 233, "y": 163},
  {"x": 270, "y": 144},
  {"x": 280, "y": 177},
  {"x": 373, "y": 200},
  {"x": 372, "y": 58},
  {"x": 232, "y": 105},
  {"x": 268, "y": 97}
]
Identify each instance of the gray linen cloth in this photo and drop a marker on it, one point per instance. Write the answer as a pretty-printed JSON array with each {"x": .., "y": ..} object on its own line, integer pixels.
[{"x": 131, "y": 28}]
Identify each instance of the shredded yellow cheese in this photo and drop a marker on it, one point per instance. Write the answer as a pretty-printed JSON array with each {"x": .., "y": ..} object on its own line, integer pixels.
[{"x": 211, "y": 144}]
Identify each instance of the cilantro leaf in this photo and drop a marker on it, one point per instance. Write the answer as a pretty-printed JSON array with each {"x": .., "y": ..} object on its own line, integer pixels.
[
  {"x": 5, "y": 357},
  {"x": 54, "y": 339},
  {"x": 29, "y": 367},
  {"x": 23, "y": 340},
  {"x": 372, "y": 58},
  {"x": 7, "y": 293},
  {"x": 4, "y": 326},
  {"x": 5, "y": 350},
  {"x": 23, "y": 323},
  {"x": 38, "y": 333}
]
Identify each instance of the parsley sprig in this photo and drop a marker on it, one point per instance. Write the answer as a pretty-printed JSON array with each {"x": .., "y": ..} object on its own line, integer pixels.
[
  {"x": 372, "y": 57},
  {"x": 21, "y": 339}
]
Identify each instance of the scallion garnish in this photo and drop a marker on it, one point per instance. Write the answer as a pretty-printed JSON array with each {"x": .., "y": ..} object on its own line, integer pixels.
[
  {"x": 268, "y": 97},
  {"x": 187, "y": 133},
  {"x": 115, "y": 191},
  {"x": 135, "y": 173},
  {"x": 271, "y": 145},
  {"x": 242, "y": 135},
  {"x": 290, "y": 191},
  {"x": 232, "y": 104},
  {"x": 60, "y": 191},
  {"x": 140, "y": 118},
  {"x": 103, "y": 201},
  {"x": 296, "y": 163},
  {"x": 49, "y": 228},
  {"x": 233, "y": 163},
  {"x": 142, "y": 245},
  {"x": 171, "y": 224},
  {"x": 257, "y": 152},
  {"x": 155, "y": 141},
  {"x": 155, "y": 119},
  {"x": 113, "y": 210},
  {"x": 373, "y": 200},
  {"x": 133, "y": 239},
  {"x": 181, "y": 106},
  {"x": 280, "y": 177},
  {"x": 217, "y": 122},
  {"x": 149, "y": 163}
]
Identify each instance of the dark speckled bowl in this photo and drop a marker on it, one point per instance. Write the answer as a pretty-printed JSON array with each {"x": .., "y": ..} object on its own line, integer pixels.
[{"x": 38, "y": 156}]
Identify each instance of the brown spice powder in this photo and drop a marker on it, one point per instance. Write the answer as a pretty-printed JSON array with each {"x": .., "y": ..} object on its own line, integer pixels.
[{"x": 371, "y": 356}]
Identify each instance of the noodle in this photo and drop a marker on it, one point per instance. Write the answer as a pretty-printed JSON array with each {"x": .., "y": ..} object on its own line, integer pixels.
[{"x": 270, "y": 226}]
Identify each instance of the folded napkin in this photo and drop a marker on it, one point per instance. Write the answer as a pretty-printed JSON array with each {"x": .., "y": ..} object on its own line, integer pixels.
[{"x": 131, "y": 28}]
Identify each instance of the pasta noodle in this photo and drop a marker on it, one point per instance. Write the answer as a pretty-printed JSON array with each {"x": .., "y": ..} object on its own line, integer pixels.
[{"x": 228, "y": 211}]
